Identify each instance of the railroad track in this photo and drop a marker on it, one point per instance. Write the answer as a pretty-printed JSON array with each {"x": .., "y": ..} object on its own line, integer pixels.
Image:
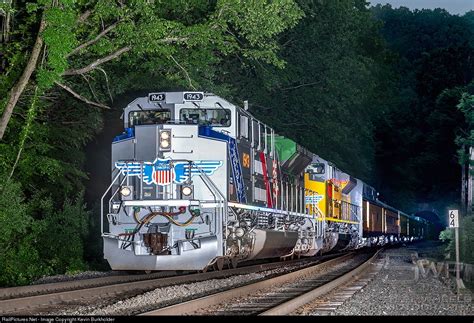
[
  {"x": 328, "y": 303},
  {"x": 41, "y": 289},
  {"x": 28, "y": 300},
  {"x": 278, "y": 295}
]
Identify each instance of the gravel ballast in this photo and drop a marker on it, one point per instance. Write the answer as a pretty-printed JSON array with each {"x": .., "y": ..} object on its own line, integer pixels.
[
  {"x": 76, "y": 276},
  {"x": 396, "y": 291},
  {"x": 165, "y": 296}
]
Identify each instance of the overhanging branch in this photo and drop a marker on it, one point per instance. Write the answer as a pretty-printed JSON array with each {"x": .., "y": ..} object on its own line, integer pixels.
[
  {"x": 80, "y": 97},
  {"x": 92, "y": 41},
  {"x": 84, "y": 16},
  {"x": 185, "y": 72},
  {"x": 98, "y": 62},
  {"x": 300, "y": 85},
  {"x": 112, "y": 56}
]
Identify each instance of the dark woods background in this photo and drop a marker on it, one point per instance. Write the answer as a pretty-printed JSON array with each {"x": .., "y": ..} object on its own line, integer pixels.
[{"x": 385, "y": 94}]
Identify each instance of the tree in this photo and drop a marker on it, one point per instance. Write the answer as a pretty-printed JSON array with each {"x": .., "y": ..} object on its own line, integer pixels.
[
  {"x": 466, "y": 137},
  {"x": 434, "y": 64},
  {"x": 333, "y": 88},
  {"x": 81, "y": 38}
]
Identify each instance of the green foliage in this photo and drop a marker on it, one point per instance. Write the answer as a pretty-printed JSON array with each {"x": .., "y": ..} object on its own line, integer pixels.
[
  {"x": 447, "y": 235},
  {"x": 19, "y": 258},
  {"x": 171, "y": 47},
  {"x": 466, "y": 106},
  {"x": 31, "y": 7},
  {"x": 32, "y": 248},
  {"x": 330, "y": 93},
  {"x": 59, "y": 41},
  {"x": 46, "y": 234},
  {"x": 466, "y": 240},
  {"x": 61, "y": 243},
  {"x": 434, "y": 68},
  {"x": 258, "y": 22}
]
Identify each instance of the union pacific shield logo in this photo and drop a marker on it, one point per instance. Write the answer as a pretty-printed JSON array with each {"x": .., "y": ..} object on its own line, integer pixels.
[{"x": 163, "y": 171}]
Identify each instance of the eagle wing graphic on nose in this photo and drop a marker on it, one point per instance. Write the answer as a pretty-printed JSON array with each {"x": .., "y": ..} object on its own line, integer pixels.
[{"x": 180, "y": 170}]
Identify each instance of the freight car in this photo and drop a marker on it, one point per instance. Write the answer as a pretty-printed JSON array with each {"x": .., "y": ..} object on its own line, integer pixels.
[
  {"x": 198, "y": 182},
  {"x": 384, "y": 224}
]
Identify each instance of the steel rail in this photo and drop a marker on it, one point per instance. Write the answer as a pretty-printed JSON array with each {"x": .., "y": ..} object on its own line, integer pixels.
[
  {"x": 48, "y": 288},
  {"x": 51, "y": 294},
  {"x": 218, "y": 298}
]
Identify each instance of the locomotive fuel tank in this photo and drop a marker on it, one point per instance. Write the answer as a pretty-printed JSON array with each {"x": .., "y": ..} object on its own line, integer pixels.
[{"x": 270, "y": 244}]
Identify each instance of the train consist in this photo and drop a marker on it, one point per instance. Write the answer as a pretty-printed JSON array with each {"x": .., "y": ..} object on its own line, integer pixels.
[{"x": 198, "y": 181}]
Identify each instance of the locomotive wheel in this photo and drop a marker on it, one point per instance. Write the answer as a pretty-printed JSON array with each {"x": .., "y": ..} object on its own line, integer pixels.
[
  {"x": 220, "y": 263},
  {"x": 234, "y": 263}
]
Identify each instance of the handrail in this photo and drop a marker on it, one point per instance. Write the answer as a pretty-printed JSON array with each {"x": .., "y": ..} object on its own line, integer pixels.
[
  {"x": 102, "y": 203},
  {"x": 223, "y": 209}
]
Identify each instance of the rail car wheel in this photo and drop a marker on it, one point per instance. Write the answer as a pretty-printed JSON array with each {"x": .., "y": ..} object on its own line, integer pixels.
[{"x": 148, "y": 272}]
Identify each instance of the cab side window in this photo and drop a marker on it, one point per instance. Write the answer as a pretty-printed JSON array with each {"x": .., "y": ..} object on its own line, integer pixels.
[
  {"x": 263, "y": 138},
  {"x": 244, "y": 127},
  {"x": 255, "y": 134}
]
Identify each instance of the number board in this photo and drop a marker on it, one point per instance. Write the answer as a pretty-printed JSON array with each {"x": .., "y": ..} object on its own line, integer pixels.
[
  {"x": 453, "y": 218},
  {"x": 156, "y": 97},
  {"x": 193, "y": 96}
]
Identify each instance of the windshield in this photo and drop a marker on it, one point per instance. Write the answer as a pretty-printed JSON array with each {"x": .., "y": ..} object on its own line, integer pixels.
[
  {"x": 136, "y": 118},
  {"x": 206, "y": 117}
]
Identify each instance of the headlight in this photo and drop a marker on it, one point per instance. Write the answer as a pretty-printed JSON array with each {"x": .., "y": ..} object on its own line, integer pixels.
[
  {"x": 165, "y": 139},
  {"x": 164, "y": 143},
  {"x": 164, "y": 135},
  {"x": 125, "y": 191},
  {"x": 187, "y": 190}
]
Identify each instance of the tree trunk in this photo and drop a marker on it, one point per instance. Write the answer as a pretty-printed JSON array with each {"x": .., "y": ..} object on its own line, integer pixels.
[{"x": 17, "y": 90}]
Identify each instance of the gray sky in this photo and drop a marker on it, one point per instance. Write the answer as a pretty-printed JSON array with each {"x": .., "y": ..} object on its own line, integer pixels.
[{"x": 453, "y": 6}]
